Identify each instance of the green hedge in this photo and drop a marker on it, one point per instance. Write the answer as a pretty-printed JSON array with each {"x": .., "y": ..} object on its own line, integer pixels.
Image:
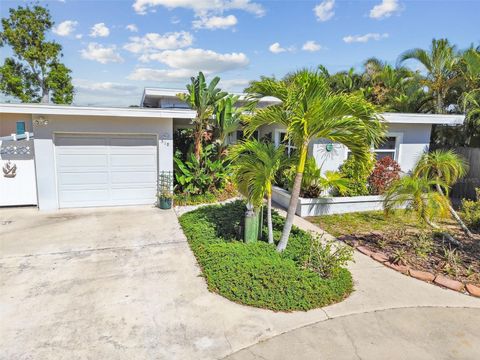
[{"x": 255, "y": 274}]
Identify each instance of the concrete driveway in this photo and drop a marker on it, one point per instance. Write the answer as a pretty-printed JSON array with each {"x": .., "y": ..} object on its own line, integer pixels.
[{"x": 122, "y": 283}]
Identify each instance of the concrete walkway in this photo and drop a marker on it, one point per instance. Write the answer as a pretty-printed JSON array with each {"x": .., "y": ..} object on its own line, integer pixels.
[{"x": 122, "y": 283}]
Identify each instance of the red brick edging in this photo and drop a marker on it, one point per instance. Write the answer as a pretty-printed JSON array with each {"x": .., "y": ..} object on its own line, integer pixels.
[{"x": 438, "y": 279}]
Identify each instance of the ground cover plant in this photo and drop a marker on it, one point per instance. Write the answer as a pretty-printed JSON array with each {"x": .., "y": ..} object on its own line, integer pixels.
[
  {"x": 255, "y": 274},
  {"x": 407, "y": 241}
]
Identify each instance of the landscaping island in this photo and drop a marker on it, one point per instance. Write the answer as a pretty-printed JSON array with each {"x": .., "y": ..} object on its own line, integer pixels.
[{"x": 255, "y": 274}]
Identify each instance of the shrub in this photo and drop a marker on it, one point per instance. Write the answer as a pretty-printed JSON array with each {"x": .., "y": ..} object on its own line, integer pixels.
[
  {"x": 385, "y": 172},
  {"x": 471, "y": 211},
  {"x": 357, "y": 174},
  {"x": 255, "y": 274},
  {"x": 327, "y": 258}
]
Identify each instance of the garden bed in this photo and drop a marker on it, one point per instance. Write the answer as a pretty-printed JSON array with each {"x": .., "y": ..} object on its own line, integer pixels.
[
  {"x": 255, "y": 274},
  {"x": 328, "y": 205},
  {"x": 401, "y": 240}
]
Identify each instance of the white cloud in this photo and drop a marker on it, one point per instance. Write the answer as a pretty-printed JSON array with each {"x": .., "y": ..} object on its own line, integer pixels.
[
  {"x": 215, "y": 22},
  {"x": 364, "y": 38},
  {"x": 324, "y": 10},
  {"x": 276, "y": 48},
  {"x": 99, "y": 30},
  {"x": 153, "y": 41},
  {"x": 234, "y": 84},
  {"x": 196, "y": 60},
  {"x": 148, "y": 74},
  {"x": 311, "y": 46},
  {"x": 65, "y": 28},
  {"x": 385, "y": 9},
  {"x": 105, "y": 88},
  {"x": 100, "y": 53},
  {"x": 132, "y": 28},
  {"x": 78, "y": 36},
  {"x": 200, "y": 7}
]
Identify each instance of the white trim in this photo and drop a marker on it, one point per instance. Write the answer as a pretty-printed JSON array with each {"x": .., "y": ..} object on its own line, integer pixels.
[
  {"x": 40, "y": 109},
  {"x": 404, "y": 118}
]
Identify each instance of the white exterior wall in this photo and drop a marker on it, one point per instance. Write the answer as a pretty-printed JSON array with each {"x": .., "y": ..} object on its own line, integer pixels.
[
  {"x": 45, "y": 144},
  {"x": 412, "y": 141}
]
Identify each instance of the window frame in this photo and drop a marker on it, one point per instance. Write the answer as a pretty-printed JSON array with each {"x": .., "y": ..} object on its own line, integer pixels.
[
  {"x": 398, "y": 141},
  {"x": 289, "y": 147}
]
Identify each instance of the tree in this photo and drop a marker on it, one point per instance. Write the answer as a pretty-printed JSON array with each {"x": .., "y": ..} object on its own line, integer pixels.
[
  {"x": 227, "y": 120},
  {"x": 310, "y": 109},
  {"x": 441, "y": 64},
  {"x": 255, "y": 166},
  {"x": 35, "y": 72},
  {"x": 444, "y": 168},
  {"x": 203, "y": 98}
]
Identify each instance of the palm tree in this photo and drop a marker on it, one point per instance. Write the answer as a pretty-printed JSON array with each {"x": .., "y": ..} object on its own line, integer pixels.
[
  {"x": 416, "y": 194},
  {"x": 310, "y": 109},
  {"x": 445, "y": 168},
  {"x": 441, "y": 64},
  {"x": 255, "y": 166},
  {"x": 227, "y": 120},
  {"x": 201, "y": 97}
]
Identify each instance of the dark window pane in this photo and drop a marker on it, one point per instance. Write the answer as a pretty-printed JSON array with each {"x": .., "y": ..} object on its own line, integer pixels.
[
  {"x": 389, "y": 144},
  {"x": 283, "y": 138},
  {"x": 240, "y": 135},
  {"x": 381, "y": 155}
]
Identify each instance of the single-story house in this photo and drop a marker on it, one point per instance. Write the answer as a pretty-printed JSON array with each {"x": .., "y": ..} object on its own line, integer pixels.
[{"x": 100, "y": 156}]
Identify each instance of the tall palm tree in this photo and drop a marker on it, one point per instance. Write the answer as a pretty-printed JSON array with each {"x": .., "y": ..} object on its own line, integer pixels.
[
  {"x": 441, "y": 62},
  {"x": 310, "y": 109},
  {"x": 445, "y": 168},
  {"x": 201, "y": 97},
  {"x": 255, "y": 166}
]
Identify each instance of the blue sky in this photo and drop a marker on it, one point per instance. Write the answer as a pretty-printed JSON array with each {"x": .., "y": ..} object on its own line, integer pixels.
[{"x": 117, "y": 47}]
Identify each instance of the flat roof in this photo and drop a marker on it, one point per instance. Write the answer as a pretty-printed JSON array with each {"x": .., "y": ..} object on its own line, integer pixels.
[{"x": 50, "y": 109}]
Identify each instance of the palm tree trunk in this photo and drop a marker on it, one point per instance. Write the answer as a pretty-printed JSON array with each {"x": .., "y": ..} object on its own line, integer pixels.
[
  {"x": 292, "y": 206},
  {"x": 439, "y": 102},
  {"x": 197, "y": 140},
  {"x": 455, "y": 215},
  {"x": 45, "y": 95},
  {"x": 269, "y": 218}
]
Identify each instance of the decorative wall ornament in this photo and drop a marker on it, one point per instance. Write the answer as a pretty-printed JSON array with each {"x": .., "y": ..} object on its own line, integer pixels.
[
  {"x": 40, "y": 121},
  {"x": 9, "y": 169}
]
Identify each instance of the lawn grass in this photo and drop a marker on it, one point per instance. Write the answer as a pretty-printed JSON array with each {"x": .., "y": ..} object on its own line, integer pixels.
[
  {"x": 255, "y": 274},
  {"x": 368, "y": 221}
]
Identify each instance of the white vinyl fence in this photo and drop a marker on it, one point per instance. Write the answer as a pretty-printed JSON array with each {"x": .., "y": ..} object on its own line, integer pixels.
[{"x": 17, "y": 173}]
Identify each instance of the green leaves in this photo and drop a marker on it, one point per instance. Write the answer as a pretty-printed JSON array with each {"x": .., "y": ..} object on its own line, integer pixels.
[{"x": 35, "y": 71}]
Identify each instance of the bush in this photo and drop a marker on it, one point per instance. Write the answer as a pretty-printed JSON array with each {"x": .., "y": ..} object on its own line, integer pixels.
[
  {"x": 255, "y": 274},
  {"x": 471, "y": 212},
  {"x": 357, "y": 174},
  {"x": 385, "y": 172},
  {"x": 208, "y": 198}
]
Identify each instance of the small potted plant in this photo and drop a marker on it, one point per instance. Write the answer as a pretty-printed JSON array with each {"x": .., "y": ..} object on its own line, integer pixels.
[
  {"x": 165, "y": 198},
  {"x": 165, "y": 190}
]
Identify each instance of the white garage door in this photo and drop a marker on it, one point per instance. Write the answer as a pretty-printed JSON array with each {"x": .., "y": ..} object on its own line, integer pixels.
[{"x": 105, "y": 170}]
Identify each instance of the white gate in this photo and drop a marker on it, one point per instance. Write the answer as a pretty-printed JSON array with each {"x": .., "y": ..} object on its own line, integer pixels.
[{"x": 17, "y": 173}]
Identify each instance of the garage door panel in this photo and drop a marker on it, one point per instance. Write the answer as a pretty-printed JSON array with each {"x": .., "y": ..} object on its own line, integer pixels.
[
  {"x": 83, "y": 178},
  {"x": 108, "y": 170}
]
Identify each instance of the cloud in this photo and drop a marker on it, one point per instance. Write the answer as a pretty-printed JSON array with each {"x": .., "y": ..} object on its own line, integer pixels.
[
  {"x": 100, "y": 53},
  {"x": 153, "y": 42},
  {"x": 99, "y": 30},
  {"x": 78, "y": 36},
  {"x": 196, "y": 60},
  {"x": 215, "y": 22},
  {"x": 385, "y": 9},
  {"x": 149, "y": 74},
  {"x": 364, "y": 38},
  {"x": 276, "y": 48},
  {"x": 106, "y": 88},
  {"x": 234, "y": 84},
  {"x": 311, "y": 46},
  {"x": 200, "y": 7},
  {"x": 132, "y": 28},
  {"x": 324, "y": 10},
  {"x": 65, "y": 28}
]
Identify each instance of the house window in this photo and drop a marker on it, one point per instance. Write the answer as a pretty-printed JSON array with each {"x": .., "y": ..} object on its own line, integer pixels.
[
  {"x": 241, "y": 135},
  {"x": 284, "y": 140},
  {"x": 387, "y": 148},
  {"x": 20, "y": 127}
]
